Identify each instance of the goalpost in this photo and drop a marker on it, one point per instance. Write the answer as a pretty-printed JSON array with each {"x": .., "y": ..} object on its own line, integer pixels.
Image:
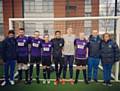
[{"x": 103, "y": 22}]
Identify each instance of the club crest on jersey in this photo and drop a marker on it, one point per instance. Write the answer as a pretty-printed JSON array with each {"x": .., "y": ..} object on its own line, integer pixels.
[
  {"x": 24, "y": 40},
  {"x": 84, "y": 43},
  {"x": 39, "y": 42},
  {"x": 49, "y": 45},
  {"x": 110, "y": 46},
  {"x": 60, "y": 44}
]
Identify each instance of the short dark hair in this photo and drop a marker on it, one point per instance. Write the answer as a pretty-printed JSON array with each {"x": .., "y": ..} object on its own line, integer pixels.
[
  {"x": 11, "y": 32},
  {"x": 36, "y": 31},
  {"x": 106, "y": 34},
  {"x": 57, "y": 32},
  {"x": 21, "y": 29},
  {"x": 46, "y": 35}
]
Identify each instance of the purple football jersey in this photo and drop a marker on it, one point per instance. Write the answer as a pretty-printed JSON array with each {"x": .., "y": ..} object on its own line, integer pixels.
[
  {"x": 46, "y": 48},
  {"x": 80, "y": 51},
  {"x": 22, "y": 46},
  {"x": 35, "y": 46}
]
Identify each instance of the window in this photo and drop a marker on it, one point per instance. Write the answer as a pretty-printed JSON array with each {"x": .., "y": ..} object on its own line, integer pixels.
[
  {"x": 47, "y": 6},
  {"x": 87, "y": 14},
  {"x": 37, "y": 9},
  {"x": 87, "y": 2},
  {"x": 87, "y": 23},
  {"x": 29, "y": 5},
  {"x": 71, "y": 11},
  {"x": 38, "y": 6},
  {"x": 71, "y": 8},
  {"x": 88, "y": 7}
]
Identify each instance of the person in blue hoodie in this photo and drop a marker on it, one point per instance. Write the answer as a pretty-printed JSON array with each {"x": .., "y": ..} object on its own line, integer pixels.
[
  {"x": 93, "y": 55},
  {"x": 9, "y": 58},
  {"x": 109, "y": 53}
]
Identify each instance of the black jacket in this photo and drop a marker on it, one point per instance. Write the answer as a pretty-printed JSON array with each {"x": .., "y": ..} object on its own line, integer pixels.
[
  {"x": 9, "y": 49},
  {"x": 94, "y": 46},
  {"x": 109, "y": 52},
  {"x": 58, "y": 44}
]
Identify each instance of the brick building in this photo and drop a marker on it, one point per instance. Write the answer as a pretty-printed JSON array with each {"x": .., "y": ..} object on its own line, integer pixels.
[{"x": 49, "y": 8}]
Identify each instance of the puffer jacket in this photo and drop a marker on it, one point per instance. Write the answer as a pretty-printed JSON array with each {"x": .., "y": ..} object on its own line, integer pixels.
[{"x": 109, "y": 52}]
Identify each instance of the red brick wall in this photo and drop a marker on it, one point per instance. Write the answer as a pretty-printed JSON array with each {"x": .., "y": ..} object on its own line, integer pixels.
[
  {"x": 95, "y": 12},
  {"x": 59, "y": 11},
  {"x": 8, "y": 9},
  {"x": 7, "y": 13},
  {"x": 17, "y": 12},
  {"x": 80, "y": 13}
]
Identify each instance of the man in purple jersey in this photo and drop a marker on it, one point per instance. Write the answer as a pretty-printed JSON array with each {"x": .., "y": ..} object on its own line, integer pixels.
[
  {"x": 81, "y": 54},
  {"x": 46, "y": 58},
  {"x": 35, "y": 54},
  {"x": 22, "y": 55}
]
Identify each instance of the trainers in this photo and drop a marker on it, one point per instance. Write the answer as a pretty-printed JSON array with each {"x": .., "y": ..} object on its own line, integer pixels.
[
  {"x": 44, "y": 81},
  {"x": 104, "y": 83},
  {"x": 63, "y": 82},
  {"x": 30, "y": 81},
  {"x": 3, "y": 83},
  {"x": 89, "y": 79},
  {"x": 27, "y": 82},
  {"x": 86, "y": 82},
  {"x": 60, "y": 79},
  {"x": 48, "y": 81},
  {"x": 95, "y": 80},
  {"x": 109, "y": 84},
  {"x": 56, "y": 82},
  {"x": 71, "y": 82},
  {"x": 12, "y": 82}
]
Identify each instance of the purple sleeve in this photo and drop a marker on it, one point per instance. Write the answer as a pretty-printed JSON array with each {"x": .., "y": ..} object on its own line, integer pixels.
[{"x": 29, "y": 39}]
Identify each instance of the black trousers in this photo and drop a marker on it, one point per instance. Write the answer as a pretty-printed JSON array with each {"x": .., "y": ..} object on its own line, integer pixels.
[{"x": 58, "y": 69}]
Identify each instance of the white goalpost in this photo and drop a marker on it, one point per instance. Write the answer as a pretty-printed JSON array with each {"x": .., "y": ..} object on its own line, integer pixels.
[{"x": 70, "y": 19}]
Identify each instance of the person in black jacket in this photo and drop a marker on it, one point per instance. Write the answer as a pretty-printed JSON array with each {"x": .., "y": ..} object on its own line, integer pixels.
[
  {"x": 109, "y": 53},
  {"x": 9, "y": 57},
  {"x": 58, "y": 44},
  {"x": 93, "y": 55}
]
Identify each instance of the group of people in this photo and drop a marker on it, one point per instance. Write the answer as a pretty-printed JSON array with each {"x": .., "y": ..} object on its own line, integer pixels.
[{"x": 62, "y": 51}]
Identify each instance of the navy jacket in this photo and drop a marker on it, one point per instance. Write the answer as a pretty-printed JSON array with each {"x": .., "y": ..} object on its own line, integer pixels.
[
  {"x": 9, "y": 49},
  {"x": 94, "y": 46},
  {"x": 109, "y": 52}
]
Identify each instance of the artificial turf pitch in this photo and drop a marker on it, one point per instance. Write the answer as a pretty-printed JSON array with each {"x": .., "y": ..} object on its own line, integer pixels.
[{"x": 81, "y": 86}]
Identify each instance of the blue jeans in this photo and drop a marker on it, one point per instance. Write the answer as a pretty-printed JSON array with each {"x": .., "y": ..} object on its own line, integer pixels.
[
  {"x": 68, "y": 59},
  {"x": 107, "y": 68},
  {"x": 93, "y": 66},
  {"x": 9, "y": 65}
]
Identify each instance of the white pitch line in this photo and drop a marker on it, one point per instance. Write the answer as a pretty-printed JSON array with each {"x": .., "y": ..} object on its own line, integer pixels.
[
  {"x": 67, "y": 80},
  {"x": 16, "y": 73}
]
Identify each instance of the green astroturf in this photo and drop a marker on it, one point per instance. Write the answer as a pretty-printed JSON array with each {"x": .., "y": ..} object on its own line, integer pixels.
[{"x": 81, "y": 86}]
